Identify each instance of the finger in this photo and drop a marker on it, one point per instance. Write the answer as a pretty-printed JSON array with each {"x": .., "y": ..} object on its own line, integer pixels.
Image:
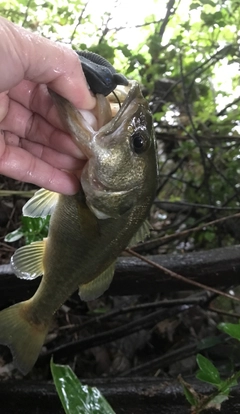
[
  {"x": 52, "y": 157},
  {"x": 19, "y": 164},
  {"x": 4, "y": 103},
  {"x": 21, "y": 122},
  {"x": 36, "y": 98},
  {"x": 42, "y": 61}
]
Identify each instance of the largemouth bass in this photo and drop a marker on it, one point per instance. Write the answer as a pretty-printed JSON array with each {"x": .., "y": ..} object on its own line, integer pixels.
[{"x": 89, "y": 230}]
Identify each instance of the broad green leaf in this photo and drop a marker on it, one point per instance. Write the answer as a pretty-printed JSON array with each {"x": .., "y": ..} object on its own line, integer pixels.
[
  {"x": 75, "y": 397},
  {"x": 231, "y": 329},
  {"x": 208, "y": 372}
]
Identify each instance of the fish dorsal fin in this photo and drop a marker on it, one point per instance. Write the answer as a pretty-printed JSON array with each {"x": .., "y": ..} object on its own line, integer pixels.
[
  {"x": 142, "y": 233},
  {"x": 41, "y": 204},
  {"x": 97, "y": 287},
  {"x": 27, "y": 262}
]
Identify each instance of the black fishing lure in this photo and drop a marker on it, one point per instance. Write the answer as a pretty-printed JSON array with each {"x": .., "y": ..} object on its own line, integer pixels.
[{"x": 100, "y": 74}]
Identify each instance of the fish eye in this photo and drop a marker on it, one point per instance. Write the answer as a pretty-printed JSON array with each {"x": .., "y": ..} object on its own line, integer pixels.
[{"x": 139, "y": 142}]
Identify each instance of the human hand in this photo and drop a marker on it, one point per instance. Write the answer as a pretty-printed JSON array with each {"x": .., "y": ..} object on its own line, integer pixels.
[{"x": 33, "y": 146}]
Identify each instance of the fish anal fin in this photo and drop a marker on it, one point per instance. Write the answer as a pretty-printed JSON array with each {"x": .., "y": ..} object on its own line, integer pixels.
[
  {"x": 98, "y": 286},
  {"x": 142, "y": 233},
  {"x": 41, "y": 204},
  {"x": 24, "y": 339},
  {"x": 27, "y": 261}
]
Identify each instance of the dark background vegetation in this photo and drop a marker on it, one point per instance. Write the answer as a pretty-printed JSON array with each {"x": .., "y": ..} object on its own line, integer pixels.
[{"x": 187, "y": 60}]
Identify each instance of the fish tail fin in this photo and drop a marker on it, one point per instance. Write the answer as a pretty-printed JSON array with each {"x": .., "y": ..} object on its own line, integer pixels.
[{"x": 24, "y": 337}]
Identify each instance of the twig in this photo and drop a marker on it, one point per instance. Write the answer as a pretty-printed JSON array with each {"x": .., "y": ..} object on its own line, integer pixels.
[
  {"x": 79, "y": 21},
  {"x": 182, "y": 278},
  {"x": 193, "y": 300},
  {"x": 162, "y": 240},
  {"x": 222, "y": 312},
  {"x": 171, "y": 357},
  {"x": 215, "y": 56},
  {"x": 194, "y": 205},
  {"x": 26, "y": 13},
  {"x": 145, "y": 322},
  {"x": 170, "y": 11}
]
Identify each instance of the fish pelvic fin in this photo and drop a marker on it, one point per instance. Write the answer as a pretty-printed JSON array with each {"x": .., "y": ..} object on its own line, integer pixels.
[
  {"x": 24, "y": 338},
  {"x": 95, "y": 288}
]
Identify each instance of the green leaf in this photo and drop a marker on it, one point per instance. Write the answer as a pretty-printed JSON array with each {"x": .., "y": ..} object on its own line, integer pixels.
[
  {"x": 231, "y": 329},
  {"x": 209, "y": 2},
  {"x": 194, "y": 6},
  {"x": 75, "y": 397},
  {"x": 189, "y": 395},
  {"x": 34, "y": 229},
  {"x": 208, "y": 372},
  {"x": 229, "y": 383},
  {"x": 209, "y": 342}
]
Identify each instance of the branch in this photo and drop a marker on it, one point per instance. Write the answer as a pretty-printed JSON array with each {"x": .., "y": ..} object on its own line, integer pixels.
[
  {"x": 170, "y": 11},
  {"x": 79, "y": 21},
  {"x": 214, "y": 268}
]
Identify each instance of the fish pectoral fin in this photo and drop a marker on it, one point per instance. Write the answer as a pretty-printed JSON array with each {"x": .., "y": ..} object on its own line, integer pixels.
[
  {"x": 97, "y": 287},
  {"x": 27, "y": 262},
  {"x": 41, "y": 204},
  {"x": 142, "y": 233}
]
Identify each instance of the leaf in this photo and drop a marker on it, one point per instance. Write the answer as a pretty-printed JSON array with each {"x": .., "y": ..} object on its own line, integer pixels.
[
  {"x": 208, "y": 372},
  {"x": 231, "y": 329},
  {"x": 189, "y": 392},
  {"x": 209, "y": 342},
  {"x": 75, "y": 397},
  {"x": 209, "y": 2},
  {"x": 229, "y": 383},
  {"x": 194, "y": 6}
]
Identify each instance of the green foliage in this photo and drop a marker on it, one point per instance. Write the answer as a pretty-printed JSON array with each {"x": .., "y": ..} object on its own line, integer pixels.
[
  {"x": 210, "y": 374},
  {"x": 32, "y": 229},
  {"x": 232, "y": 329},
  {"x": 75, "y": 397},
  {"x": 207, "y": 371}
]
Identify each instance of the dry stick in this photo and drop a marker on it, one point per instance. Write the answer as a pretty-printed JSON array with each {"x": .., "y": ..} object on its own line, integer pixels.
[
  {"x": 173, "y": 356},
  {"x": 180, "y": 277},
  {"x": 163, "y": 361},
  {"x": 184, "y": 232},
  {"x": 222, "y": 312},
  {"x": 192, "y": 300},
  {"x": 146, "y": 322}
]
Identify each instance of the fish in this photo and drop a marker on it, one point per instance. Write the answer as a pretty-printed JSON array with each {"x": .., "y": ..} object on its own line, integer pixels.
[{"x": 88, "y": 230}]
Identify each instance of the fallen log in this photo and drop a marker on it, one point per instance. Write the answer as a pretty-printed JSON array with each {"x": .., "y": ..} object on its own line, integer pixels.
[
  {"x": 217, "y": 267},
  {"x": 126, "y": 396}
]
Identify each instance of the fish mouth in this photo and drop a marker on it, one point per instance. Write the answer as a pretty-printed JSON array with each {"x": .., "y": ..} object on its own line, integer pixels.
[{"x": 97, "y": 118}]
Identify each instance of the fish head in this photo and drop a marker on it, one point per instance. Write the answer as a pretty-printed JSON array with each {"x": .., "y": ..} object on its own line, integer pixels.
[{"x": 122, "y": 170}]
